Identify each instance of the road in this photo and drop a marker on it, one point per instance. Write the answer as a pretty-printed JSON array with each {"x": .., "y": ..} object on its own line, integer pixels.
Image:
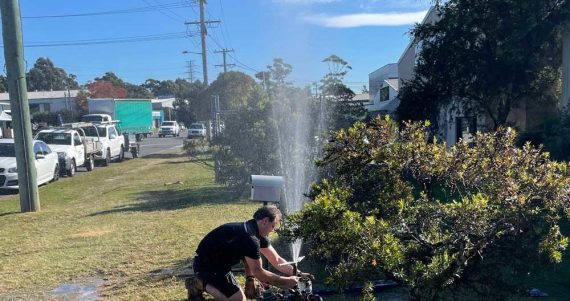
[{"x": 149, "y": 146}]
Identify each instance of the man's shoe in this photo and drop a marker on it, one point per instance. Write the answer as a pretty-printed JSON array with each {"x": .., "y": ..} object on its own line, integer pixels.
[{"x": 195, "y": 288}]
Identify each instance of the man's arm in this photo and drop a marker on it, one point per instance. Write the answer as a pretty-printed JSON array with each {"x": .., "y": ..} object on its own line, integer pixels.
[
  {"x": 276, "y": 260},
  {"x": 254, "y": 267}
]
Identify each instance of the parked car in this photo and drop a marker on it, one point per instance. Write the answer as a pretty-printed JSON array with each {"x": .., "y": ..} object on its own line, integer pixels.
[
  {"x": 112, "y": 143},
  {"x": 46, "y": 162},
  {"x": 169, "y": 128},
  {"x": 72, "y": 146},
  {"x": 197, "y": 130}
]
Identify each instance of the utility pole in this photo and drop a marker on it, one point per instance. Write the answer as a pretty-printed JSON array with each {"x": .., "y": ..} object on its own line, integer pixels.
[
  {"x": 203, "y": 33},
  {"x": 17, "y": 88},
  {"x": 190, "y": 65},
  {"x": 224, "y": 52}
]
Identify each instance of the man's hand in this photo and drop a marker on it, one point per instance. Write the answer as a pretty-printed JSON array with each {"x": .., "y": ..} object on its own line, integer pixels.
[
  {"x": 306, "y": 275},
  {"x": 290, "y": 281},
  {"x": 252, "y": 287}
]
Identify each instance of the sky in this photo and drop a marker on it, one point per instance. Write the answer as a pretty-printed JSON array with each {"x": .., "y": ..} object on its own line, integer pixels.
[{"x": 142, "y": 39}]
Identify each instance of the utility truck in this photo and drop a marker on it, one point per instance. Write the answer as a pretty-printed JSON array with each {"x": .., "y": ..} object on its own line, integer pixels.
[
  {"x": 134, "y": 116},
  {"x": 73, "y": 147},
  {"x": 113, "y": 144}
]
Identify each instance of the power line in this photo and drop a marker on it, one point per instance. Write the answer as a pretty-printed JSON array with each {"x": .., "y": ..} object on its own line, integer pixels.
[
  {"x": 164, "y": 13},
  {"x": 146, "y": 38},
  {"x": 114, "y": 12}
]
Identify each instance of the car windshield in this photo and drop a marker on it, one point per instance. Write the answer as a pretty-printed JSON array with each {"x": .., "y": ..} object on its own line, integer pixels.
[
  {"x": 167, "y": 123},
  {"x": 197, "y": 126},
  {"x": 7, "y": 150},
  {"x": 90, "y": 131},
  {"x": 92, "y": 118},
  {"x": 55, "y": 138}
]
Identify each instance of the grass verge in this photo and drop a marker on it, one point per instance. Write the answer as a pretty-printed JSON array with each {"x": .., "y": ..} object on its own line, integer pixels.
[{"x": 134, "y": 225}]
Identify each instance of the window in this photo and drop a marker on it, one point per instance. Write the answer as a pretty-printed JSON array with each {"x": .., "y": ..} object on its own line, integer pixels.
[
  {"x": 466, "y": 128},
  {"x": 384, "y": 93},
  {"x": 55, "y": 138},
  {"x": 112, "y": 132},
  {"x": 7, "y": 150},
  {"x": 76, "y": 139},
  {"x": 34, "y": 108},
  {"x": 37, "y": 148},
  {"x": 45, "y": 148}
]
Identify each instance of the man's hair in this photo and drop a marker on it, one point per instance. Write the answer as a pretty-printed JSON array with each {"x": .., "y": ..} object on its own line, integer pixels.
[{"x": 269, "y": 211}]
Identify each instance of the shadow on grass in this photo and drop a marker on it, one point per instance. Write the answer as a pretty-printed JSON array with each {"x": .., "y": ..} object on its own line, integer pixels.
[
  {"x": 163, "y": 200},
  {"x": 9, "y": 213},
  {"x": 165, "y": 156}
]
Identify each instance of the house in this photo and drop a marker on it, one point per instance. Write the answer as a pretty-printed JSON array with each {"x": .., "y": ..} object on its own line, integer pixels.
[
  {"x": 455, "y": 120},
  {"x": 383, "y": 86},
  {"x": 46, "y": 101}
]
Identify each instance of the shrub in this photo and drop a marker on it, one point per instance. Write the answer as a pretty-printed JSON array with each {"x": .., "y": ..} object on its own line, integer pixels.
[
  {"x": 195, "y": 147},
  {"x": 475, "y": 218}
]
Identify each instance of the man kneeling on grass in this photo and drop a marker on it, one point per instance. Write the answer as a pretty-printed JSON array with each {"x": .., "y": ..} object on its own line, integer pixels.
[{"x": 226, "y": 245}]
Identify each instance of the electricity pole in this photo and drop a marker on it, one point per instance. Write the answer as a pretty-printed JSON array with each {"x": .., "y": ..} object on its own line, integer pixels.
[
  {"x": 203, "y": 33},
  {"x": 224, "y": 52},
  {"x": 17, "y": 88}
]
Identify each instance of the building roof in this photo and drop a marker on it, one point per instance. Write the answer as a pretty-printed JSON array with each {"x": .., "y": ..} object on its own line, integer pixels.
[
  {"x": 362, "y": 97},
  {"x": 44, "y": 94}
]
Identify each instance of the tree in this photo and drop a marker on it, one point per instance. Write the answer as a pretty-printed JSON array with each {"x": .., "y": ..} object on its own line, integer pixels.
[
  {"x": 137, "y": 91},
  {"x": 489, "y": 56},
  {"x": 45, "y": 76},
  {"x": 245, "y": 146},
  {"x": 106, "y": 89},
  {"x": 3, "y": 84},
  {"x": 276, "y": 75},
  {"x": 473, "y": 220},
  {"x": 112, "y": 78},
  {"x": 344, "y": 112},
  {"x": 81, "y": 102},
  {"x": 188, "y": 95}
]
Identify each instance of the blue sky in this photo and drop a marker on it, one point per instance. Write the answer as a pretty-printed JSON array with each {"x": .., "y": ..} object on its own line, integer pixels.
[{"x": 366, "y": 33}]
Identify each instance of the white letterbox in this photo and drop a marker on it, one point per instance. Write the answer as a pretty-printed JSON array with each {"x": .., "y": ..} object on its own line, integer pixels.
[{"x": 266, "y": 188}]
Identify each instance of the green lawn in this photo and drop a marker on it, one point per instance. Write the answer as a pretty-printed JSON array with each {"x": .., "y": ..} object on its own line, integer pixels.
[{"x": 134, "y": 225}]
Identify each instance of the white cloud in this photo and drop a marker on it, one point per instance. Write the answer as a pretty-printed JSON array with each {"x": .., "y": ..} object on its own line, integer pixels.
[
  {"x": 305, "y": 1},
  {"x": 358, "y": 20}
]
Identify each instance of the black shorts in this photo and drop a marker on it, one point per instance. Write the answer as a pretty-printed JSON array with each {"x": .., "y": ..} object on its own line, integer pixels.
[{"x": 224, "y": 281}]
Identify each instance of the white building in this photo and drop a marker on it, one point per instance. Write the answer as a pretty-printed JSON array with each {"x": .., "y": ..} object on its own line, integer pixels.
[{"x": 46, "y": 101}]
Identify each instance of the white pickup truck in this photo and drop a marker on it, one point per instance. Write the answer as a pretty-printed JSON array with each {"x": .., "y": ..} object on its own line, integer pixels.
[
  {"x": 112, "y": 143},
  {"x": 72, "y": 146}
]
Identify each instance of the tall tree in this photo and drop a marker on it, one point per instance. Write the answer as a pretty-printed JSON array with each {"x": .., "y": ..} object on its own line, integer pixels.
[
  {"x": 45, "y": 76},
  {"x": 344, "y": 112},
  {"x": 489, "y": 55}
]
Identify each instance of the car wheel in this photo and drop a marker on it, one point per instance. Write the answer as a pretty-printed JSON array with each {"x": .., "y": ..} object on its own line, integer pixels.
[
  {"x": 107, "y": 158},
  {"x": 122, "y": 154},
  {"x": 55, "y": 173},
  {"x": 72, "y": 167},
  {"x": 90, "y": 163},
  {"x": 135, "y": 152}
]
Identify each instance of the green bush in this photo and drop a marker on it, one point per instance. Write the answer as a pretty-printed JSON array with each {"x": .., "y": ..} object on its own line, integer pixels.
[
  {"x": 195, "y": 147},
  {"x": 473, "y": 219}
]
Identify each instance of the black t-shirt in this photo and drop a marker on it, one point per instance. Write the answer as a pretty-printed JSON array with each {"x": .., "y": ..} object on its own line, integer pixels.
[{"x": 226, "y": 245}]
